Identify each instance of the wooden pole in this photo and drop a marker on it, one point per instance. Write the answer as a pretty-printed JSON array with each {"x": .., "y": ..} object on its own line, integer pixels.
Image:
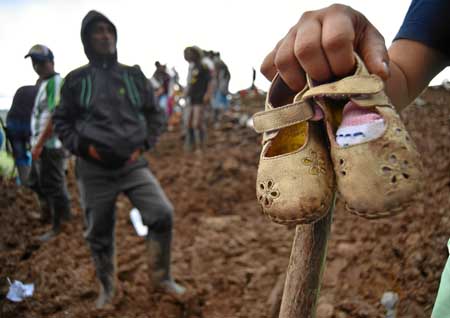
[{"x": 304, "y": 273}]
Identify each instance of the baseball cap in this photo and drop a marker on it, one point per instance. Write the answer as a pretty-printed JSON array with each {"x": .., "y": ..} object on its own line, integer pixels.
[{"x": 40, "y": 52}]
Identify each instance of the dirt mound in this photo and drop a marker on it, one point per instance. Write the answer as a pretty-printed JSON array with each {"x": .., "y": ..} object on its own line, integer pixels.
[{"x": 225, "y": 252}]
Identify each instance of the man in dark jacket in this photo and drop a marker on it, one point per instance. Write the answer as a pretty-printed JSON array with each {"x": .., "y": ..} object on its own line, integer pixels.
[
  {"x": 107, "y": 118},
  {"x": 19, "y": 128}
]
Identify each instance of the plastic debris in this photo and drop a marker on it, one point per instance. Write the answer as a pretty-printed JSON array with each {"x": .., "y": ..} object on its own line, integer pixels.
[
  {"x": 389, "y": 301},
  {"x": 18, "y": 291},
  {"x": 136, "y": 220},
  {"x": 420, "y": 102},
  {"x": 446, "y": 84},
  {"x": 249, "y": 123}
]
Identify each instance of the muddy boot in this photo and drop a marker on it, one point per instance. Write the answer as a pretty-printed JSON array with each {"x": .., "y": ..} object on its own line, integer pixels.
[
  {"x": 67, "y": 216},
  {"x": 56, "y": 223},
  {"x": 198, "y": 141},
  {"x": 158, "y": 247},
  {"x": 49, "y": 235},
  {"x": 203, "y": 137},
  {"x": 64, "y": 209},
  {"x": 104, "y": 268},
  {"x": 189, "y": 140},
  {"x": 24, "y": 172},
  {"x": 45, "y": 211}
]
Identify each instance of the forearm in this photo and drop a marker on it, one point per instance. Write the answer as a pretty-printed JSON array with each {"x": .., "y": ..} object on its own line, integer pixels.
[
  {"x": 64, "y": 126},
  {"x": 45, "y": 134},
  {"x": 410, "y": 73}
]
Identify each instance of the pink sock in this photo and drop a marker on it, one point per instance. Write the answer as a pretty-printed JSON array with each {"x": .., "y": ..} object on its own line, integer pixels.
[{"x": 358, "y": 125}]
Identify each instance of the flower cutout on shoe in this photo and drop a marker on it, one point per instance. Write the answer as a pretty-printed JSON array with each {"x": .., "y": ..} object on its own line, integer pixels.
[
  {"x": 267, "y": 193},
  {"x": 403, "y": 134},
  {"x": 395, "y": 169},
  {"x": 315, "y": 163}
]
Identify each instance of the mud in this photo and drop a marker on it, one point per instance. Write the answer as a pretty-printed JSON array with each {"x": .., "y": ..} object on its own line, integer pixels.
[{"x": 228, "y": 255}]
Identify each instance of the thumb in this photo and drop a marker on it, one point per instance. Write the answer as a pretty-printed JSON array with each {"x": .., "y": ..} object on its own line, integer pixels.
[{"x": 372, "y": 49}]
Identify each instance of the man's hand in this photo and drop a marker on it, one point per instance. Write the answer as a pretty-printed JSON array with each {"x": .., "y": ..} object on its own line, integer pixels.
[
  {"x": 36, "y": 151},
  {"x": 322, "y": 44},
  {"x": 93, "y": 153},
  {"x": 135, "y": 155}
]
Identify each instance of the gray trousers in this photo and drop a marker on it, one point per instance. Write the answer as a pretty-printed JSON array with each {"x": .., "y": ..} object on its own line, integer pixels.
[
  {"x": 99, "y": 188},
  {"x": 48, "y": 180}
]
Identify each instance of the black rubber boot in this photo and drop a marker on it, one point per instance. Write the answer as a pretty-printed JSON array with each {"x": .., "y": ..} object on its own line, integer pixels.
[
  {"x": 189, "y": 140},
  {"x": 24, "y": 172},
  {"x": 158, "y": 247},
  {"x": 45, "y": 210},
  {"x": 56, "y": 223},
  {"x": 49, "y": 235},
  {"x": 105, "y": 270}
]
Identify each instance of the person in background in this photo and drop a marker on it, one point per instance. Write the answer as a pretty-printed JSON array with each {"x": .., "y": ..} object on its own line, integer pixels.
[
  {"x": 19, "y": 129},
  {"x": 198, "y": 96},
  {"x": 163, "y": 78},
  {"x": 47, "y": 177},
  {"x": 107, "y": 118},
  {"x": 220, "y": 103},
  {"x": 7, "y": 167}
]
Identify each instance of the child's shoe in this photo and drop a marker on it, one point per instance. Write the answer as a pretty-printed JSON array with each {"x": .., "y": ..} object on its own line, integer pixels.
[
  {"x": 377, "y": 166},
  {"x": 295, "y": 182}
]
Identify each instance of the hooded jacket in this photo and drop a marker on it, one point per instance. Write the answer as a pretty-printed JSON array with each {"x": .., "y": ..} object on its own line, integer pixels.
[{"x": 108, "y": 105}]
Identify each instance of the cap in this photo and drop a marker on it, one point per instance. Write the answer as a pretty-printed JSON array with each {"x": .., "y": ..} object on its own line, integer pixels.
[{"x": 40, "y": 52}]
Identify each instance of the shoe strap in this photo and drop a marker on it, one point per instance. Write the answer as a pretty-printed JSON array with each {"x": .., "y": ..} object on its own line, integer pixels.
[
  {"x": 378, "y": 99},
  {"x": 281, "y": 117},
  {"x": 352, "y": 85}
]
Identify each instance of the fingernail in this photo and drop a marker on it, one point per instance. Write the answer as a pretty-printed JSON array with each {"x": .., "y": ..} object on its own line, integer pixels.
[{"x": 386, "y": 69}]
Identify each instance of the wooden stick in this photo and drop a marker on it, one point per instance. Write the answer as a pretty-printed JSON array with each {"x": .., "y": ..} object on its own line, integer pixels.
[{"x": 304, "y": 273}]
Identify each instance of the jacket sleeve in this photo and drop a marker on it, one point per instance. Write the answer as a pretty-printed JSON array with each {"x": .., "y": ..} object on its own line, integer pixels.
[
  {"x": 65, "y": 118},
  {"x": 154, "y": 115}
]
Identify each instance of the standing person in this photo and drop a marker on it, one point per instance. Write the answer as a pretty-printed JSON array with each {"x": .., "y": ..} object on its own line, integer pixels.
[
  {"x": 253, "y": 87},
  {"x": 163, "y": 78},
  {"x": 107, "y": 118},
  {"x": 7, "y": 168},
  {"x": 47, "y": 176},
  {"x": 198, "y": 94},
  {"x": 220, "y": 103},
  {"x": 19, "y": 128}
]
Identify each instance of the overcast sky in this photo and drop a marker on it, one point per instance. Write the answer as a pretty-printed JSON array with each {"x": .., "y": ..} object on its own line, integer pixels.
[{"x": 243, "y": 31}]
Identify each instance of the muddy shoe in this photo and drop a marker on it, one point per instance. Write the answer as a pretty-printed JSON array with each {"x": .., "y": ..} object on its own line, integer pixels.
[
  {"x": 67, "y": 216},
  {"x": 105, "y": 297},
  {"x": 295, "y": 181},
  {"x": 45, "y": 211},
  {"x": 377, "y": 166},
  {"x": 49, "y": 235},
  {"x": 172, "y": 288}
]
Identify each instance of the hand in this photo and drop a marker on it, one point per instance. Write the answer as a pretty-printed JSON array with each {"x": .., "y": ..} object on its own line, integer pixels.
[
  {"x": 322, "y": 44},
  {"x": 93, "y": 153},
  {"x": 36, "y": 151},
  {"x": 135, "y": 155},
  {"x": 206, "y": 98}
]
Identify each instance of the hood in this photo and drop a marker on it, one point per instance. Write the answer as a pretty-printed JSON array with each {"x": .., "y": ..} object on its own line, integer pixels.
[{"x": 88, "y": 20}]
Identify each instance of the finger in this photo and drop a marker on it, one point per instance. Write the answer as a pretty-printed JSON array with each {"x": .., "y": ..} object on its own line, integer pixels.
[
  {"x": 287, "y": 64},
  {"x": 268, "y": 68},
  {"x": 372, "y": 49},
  {"x": 309, "y": 52},
  {"x": 338, "y": 35}
]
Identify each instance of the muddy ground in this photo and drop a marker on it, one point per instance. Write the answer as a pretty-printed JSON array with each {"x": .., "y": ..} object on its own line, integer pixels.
[{"x": 225, "y": 251}]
